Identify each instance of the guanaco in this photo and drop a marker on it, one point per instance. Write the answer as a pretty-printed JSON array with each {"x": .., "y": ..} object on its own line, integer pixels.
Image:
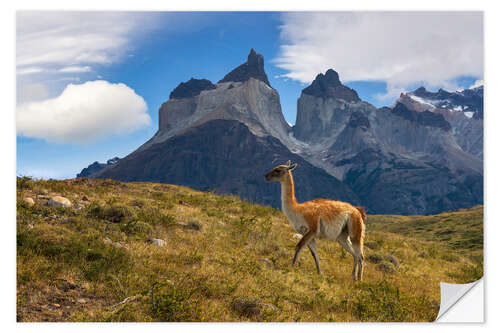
[{"x": 321, "y": 218}]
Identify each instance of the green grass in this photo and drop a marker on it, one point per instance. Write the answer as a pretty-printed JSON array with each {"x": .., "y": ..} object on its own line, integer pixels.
[
  {"x": 224, "y": 259},
  {"x": 461, "y": 230}
]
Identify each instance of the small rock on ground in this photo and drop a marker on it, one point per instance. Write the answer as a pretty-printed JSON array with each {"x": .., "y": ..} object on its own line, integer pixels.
[
  {"x": 29, "y": 201},
  {"x": 58, "y": 201},
  {"x": 157, "y": 242}
]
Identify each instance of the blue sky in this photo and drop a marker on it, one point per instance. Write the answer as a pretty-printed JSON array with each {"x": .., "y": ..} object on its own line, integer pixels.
[{"x": 142, "y": 57}]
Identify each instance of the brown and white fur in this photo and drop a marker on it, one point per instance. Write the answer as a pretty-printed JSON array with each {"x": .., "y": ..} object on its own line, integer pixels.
[{"x": 321, "y": 218}]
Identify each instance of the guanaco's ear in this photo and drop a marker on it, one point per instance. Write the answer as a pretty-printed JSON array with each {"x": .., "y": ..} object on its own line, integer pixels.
[
  {"x": 289, "y": 163},
  {"x": 292, "y": 166}
]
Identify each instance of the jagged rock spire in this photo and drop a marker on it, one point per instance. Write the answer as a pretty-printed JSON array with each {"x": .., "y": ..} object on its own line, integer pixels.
[
  {"x": 329, "y": 85},
  {"x": 254, "y": 67}
]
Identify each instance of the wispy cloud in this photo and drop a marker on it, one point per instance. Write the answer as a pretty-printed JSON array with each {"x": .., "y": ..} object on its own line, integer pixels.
[
  {"x": 29, "y": 70},
  {"x": 476, "y": 84},
  {"x": 62, "y": 38},
  {"x": 75, "y": 69},
  {"x": 50, "y": 44},
  {"x": 73, "y": 117},
  {"x": 400, "y": 48}
]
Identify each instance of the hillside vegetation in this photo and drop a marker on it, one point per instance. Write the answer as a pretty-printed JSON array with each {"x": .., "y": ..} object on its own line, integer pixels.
[{"x": 222, "y": 259}]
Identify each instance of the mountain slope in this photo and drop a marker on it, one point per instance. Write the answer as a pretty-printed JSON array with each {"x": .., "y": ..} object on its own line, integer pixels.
[{"x": 225, "y": 156}]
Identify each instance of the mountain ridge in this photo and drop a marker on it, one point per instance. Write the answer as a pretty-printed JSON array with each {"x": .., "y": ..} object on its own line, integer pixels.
[{"x": 402, "y": 159}]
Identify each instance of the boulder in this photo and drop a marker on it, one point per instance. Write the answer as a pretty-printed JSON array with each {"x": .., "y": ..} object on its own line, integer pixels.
[
  {"x": 29, "y": 201},
  {"x": 58, "y": 201}
]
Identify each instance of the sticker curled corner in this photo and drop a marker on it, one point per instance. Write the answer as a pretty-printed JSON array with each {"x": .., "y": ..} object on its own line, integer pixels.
[{"x": 461, "y": 302}]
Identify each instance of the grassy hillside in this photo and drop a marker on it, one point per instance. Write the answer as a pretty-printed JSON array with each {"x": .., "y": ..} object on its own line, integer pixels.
[
  {"x": 462, "y": 230},
  {"x": 223, "y": 259}
]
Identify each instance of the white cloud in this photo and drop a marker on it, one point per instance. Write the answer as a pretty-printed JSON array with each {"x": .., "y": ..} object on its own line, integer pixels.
[
  {"x": 476, "y": 84},
  {"x": 400, "y": 48},
  {"x": 75, "y": 69},
  {"x": 72, "y": 38},
  {"x": 50, "y": 44},
  {"x": 84, "y": 113},
  {"x": 29, "y": 70}
]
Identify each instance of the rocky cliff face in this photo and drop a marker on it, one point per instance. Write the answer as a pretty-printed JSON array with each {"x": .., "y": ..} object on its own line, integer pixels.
[
  {"x": 405, "y": 159},
  {"x": 249, "y": 99},
  {"x": 324, "y": 107},
  {"x": 463, "y": 110}
]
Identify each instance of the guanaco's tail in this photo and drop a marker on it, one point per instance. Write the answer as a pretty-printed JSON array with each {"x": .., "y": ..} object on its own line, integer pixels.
[{"x": 363, "y": 213}]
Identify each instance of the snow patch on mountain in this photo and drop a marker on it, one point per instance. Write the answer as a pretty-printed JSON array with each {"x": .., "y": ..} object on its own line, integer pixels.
[{"x": 421, "y": 100}]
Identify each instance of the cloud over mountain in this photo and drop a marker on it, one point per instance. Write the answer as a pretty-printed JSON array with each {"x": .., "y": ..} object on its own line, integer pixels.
[
  {"x": 400, "y": 48},
  {"x": 83, "y": 113}
]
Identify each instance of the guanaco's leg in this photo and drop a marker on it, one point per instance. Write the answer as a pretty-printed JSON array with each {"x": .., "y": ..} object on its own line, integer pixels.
[
  {"x": 358, "y": 251},
  {"x": 354, "y": 267},
  {"x": 344, "y": 240},
  {"x": 314, "y": 252},
  {"x": 305, "y": 240}
]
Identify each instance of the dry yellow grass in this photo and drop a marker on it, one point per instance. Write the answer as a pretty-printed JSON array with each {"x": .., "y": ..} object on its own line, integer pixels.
[{"x": 79, "y": 263}]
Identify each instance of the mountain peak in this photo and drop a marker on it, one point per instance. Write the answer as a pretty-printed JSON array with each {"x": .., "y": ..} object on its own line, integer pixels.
[
  {"x": 420, "y": 91},
  {"x": 191, "y": 88},
  {"x": 253, "y": 68},
  {"x": 332, "y": 78},
  {"x": 329, "y": 85}
]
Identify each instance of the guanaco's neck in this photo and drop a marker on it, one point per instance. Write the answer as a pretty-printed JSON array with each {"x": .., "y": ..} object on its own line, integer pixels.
[{"x": 288, "y": 192}]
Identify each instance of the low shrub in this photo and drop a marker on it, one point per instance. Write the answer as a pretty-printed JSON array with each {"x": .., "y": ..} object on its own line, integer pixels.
[{"x": 374, "y": 258}]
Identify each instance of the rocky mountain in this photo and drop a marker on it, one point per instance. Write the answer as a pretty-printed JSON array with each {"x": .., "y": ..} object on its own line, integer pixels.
[
  {"x": 411, "y": 158},
  {"x": 225, "y": 137},
  {"x": 244, "y": 95},
  {"x": 318, "y": 105},
  {"x": 96, "y": 166},
  {"x": 253, "y": 68},
  {"x": 463, "y": 110},
  {"x": 469, "y": 101},
  {"x": 402, "y": 159},
  {"x": 225, "y": 156}
]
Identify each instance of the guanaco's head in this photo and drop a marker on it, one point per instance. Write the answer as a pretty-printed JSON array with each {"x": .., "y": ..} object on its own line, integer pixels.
[{"x": 278, "y": 173}]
